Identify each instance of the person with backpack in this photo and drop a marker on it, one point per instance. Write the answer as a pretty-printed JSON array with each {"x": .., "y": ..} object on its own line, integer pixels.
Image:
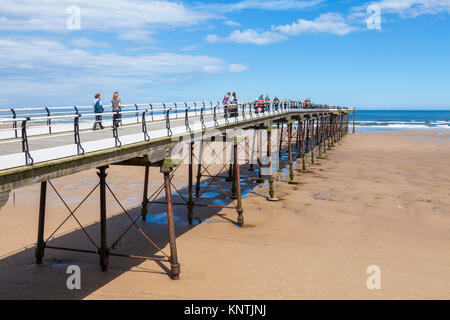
[
  {"x": 98, "y": 110},
  {"x": 233, "y": 107}
]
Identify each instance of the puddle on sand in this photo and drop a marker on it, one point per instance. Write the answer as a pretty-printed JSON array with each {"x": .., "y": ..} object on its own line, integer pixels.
[
  {"x": 220, "y": 202},
  {"x": 58, "y": 264},
  {"x": 159, "y": 218},
  {"x": 321, "y": 196},
  {"x": 209, "y": 194},
  {"x": 199, "y": 221}
]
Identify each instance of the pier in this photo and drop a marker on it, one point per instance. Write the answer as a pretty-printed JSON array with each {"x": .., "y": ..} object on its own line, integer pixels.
[{"x": 38, "y": 145}]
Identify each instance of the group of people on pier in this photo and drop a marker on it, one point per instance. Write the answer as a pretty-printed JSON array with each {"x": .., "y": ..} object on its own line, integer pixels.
[
  {"x": 230, "y": 103},
  {"x": 261, "y": 104},
  {"x": 116, "y": 105}
]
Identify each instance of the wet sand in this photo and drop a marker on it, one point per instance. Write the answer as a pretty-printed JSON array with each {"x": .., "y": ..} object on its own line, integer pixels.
[{"x": 376, "y": 199}]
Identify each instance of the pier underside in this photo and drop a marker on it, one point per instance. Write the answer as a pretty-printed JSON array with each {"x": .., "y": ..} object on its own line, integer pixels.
[{"x": 263, "y": 145}]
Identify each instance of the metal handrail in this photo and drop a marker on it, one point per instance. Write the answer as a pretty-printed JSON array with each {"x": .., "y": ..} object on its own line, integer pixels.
[{"x": 188, "y": 108}]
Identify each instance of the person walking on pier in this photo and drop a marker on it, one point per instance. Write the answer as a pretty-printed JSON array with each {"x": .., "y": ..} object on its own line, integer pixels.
[
  {"x": 275, "y": 102},
  {"x": 226, "y": 102},
  {"x": 98, "y": 110},
  {"x": 259, "y": 107},
  {"x": 233, "y": 106},
  {"x": 116, "y": 105}
]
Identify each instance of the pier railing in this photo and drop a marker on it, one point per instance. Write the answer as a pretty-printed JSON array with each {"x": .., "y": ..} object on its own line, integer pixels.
[{"x": 31, "y": 125}]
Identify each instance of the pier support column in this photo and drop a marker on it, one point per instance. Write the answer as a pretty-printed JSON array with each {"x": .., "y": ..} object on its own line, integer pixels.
[
  {"x": 269, "y": 157},
  {"x": 304, "y": 132},
  {"x": 104, "y": 252},
  {"x": 237, "y": 177},
  {"x": 291, "y": 166},
  {"x": 253, "y": 152},
  {"x": 332, "y": 130},
  {"x": 297, "y": 141},
  {"x": 319, "y": 142},
  {"x": 308, "y": 137},
  {"x": 328, "y": 133},
  {"x": 324, "y": 134},
  {"x": 233, "y": 181},
  {"x": 312, "y": 141},
  {"x": 335, "y": 130},
  {"x": 280, "y": 146},
  {"x": 190, "y": 188},
  {"x": 40, "y": 247},
  {"x": 174, "y": 265},
  {"x": 260, "y": 153},
  {"x": 145, "y": 194},
  {"x": 230, "y": 169},
  {"x": 199, "y": 170},
  {"x": 354, "y": 120}
]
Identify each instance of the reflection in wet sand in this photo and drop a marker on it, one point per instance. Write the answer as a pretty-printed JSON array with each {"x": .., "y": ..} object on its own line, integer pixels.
[{"x": 4, "y": 196}]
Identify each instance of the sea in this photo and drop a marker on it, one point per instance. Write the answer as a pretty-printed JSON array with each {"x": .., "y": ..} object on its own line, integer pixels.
[{"x": 393, "y": 120}]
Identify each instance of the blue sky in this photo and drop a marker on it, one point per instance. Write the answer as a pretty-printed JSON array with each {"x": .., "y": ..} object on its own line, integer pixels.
[{"x": 154, "y": 51}]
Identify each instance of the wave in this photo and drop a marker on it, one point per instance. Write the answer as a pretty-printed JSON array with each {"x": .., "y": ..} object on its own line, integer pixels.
[{"x": 403, "y": 124}]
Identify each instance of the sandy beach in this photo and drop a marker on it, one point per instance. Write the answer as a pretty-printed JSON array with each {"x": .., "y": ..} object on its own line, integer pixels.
[{"x": 375, "y": 199}]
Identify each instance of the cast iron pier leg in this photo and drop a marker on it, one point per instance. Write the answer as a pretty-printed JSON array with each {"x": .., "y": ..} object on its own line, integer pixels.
[
  {"x": 104, "y": 254},
  {"x": 232, "y": 175},
  {"x": 354, "y": 119},
  {"x": 253, "y": 152},
  {"x": 313, "y": 141},
  {"x": 303, "y": 147},
  {"x": 291, "y": 167},
  {"x": 237, "y": 177},
  {"x": 324, "y": 134},
  {"x": 260, "y": 153},
  {"x": 199, "y": 170},
  {"x": 191, "y": 191},
  {"x": 269, "y": 157},
  {"x": 280, "y": 150},
  {"x": 319, "y": 137},
  {"x": 174, "y": 265},
  {"x": 145, "y": 196},
  {"x": 39, "y": 253}
]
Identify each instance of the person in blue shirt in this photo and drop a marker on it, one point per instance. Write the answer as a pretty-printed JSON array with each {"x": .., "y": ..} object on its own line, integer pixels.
[{"x": 98, "y": 110}]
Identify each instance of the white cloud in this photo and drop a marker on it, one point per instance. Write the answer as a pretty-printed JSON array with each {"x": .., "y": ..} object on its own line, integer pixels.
[
  {"x": 136, "y": 35},
  {"x": 326, "y": 23},
  {"x": 99, "y": 15},
  {"x": 50, "y": 56},
  {"x": 82, "y": 42},
  {"x": 35, "y": 66},
  {"x": 332, "y": 23},
  {"x": 238, "y": 68},
  {"x": 191, "y": 47},
  {"x": 409, "y": 8},
  {"x": 248, "y": 36},
  {"x": 263, "y": 5},
  {"x": 231, "y": 23}
]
